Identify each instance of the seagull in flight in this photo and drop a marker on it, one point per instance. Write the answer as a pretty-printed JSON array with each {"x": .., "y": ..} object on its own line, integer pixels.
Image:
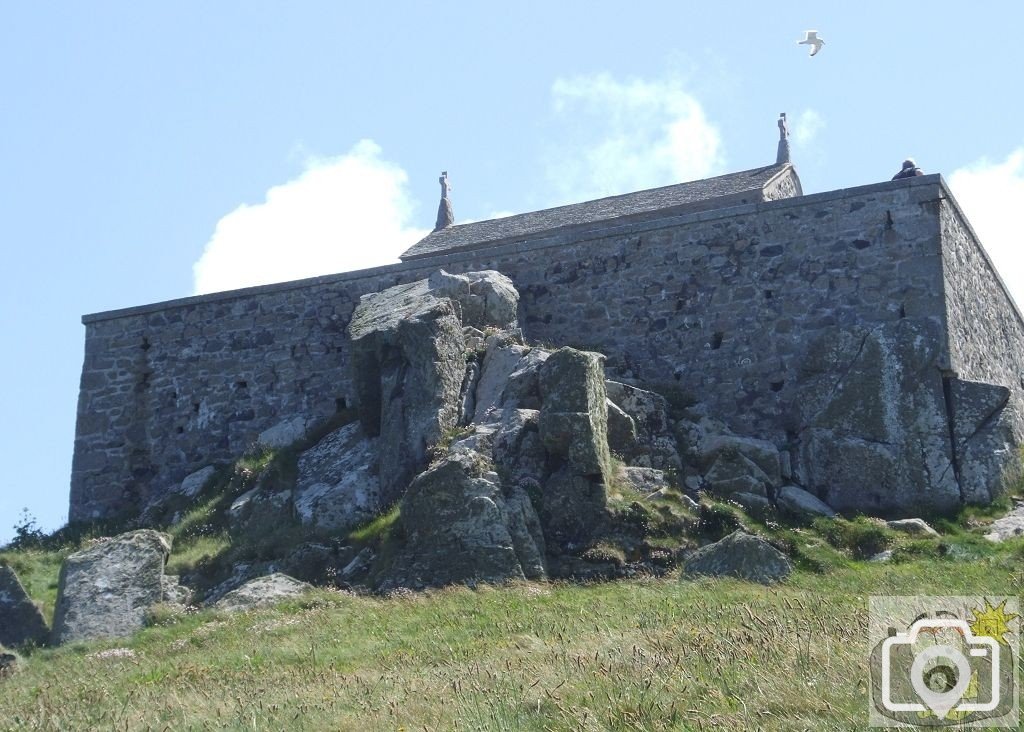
[{"x": 811, "y": 39}]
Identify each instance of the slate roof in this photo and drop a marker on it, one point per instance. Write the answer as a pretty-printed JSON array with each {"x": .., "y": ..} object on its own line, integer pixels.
[{"x": 698, "y": 195}]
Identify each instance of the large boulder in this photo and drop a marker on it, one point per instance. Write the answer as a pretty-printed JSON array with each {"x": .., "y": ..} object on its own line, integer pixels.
[
  {"x": 574, "y": 413},
  {"x": 408, "y": 365},
  {"x": 21, "y": 622},
  {"x": 984, "y": 440},
  {"x": 105, "y": 590},
  {"x": 260, "y": 512},
  {"x": 732, "y": 472},
  {"x": 338, "y": 487},
  {"x": 286, "y": 432},
  {"x": 262, "y": 592},
  {"x": 573, "y": 429},
  {"x": 462, "y": 526},
  {"x": 873, "y": 423},
  {"x": 761, "y": 453},
  {"x": 739, "y": 555},
  {"x": 486, "y": 298},
  {"x": 795, "y": 501}
]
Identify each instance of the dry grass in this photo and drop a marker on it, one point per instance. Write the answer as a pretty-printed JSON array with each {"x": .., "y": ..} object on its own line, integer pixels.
[{"x": 637, "y": 655}]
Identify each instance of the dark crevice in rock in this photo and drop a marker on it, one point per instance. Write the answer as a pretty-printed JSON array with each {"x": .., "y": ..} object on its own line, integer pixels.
[
  {"x": 947, "y": 399},
  {"x": 848, "y": 369}
]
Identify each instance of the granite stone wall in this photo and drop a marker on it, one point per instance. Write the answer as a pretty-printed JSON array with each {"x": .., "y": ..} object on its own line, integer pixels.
[
  {"x": 717, "y": 306},
  {"x": 985, "y": 328}
]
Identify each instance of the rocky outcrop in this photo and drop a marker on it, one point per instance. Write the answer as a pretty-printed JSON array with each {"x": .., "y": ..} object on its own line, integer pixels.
[
  {"x": 462, "y": 525},
  {"x": 408, "y": 365},
  {"x": 175, "y": 593},
  {"x": 105, "y": 590},
  {"x": 984, "y": 444},
  {"x": 21, "y": 622},
  {"x": 260, "y": 511},
  {"x": 1009, "y": 526},
  {"x": 874, "y": 430},
  {"x": 797, "y": 502},
  {"x": 640, "y": 428},
  {"x": 742, "y": 556},
  {"x": 486, "y": 298},
  {"x": 338, "y": 486},
  {"x": 573, "y": 428},
  {"x": 262, "y": 592}
]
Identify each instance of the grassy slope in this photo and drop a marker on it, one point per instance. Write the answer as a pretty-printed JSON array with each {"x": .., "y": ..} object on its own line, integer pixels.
[
  {"x": 646, "y": 654},
  {"x": 643, "y": 655}
]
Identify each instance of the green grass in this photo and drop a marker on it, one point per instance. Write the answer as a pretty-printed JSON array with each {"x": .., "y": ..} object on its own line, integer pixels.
[
  {"x": 641, "y": 654},
  {"x": 634, "y": 655}
]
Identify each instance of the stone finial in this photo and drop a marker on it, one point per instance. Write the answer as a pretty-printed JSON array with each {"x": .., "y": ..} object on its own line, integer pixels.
[
  {"x": 783, "y": 154},
  {"x": 445, "y": 215}
]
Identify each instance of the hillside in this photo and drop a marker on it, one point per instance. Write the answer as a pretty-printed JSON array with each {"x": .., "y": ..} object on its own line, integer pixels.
[{"x": 641, "y": 654}]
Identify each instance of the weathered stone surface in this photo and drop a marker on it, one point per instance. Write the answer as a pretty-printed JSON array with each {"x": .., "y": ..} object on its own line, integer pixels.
[
  {"x": 875, "y": 434},
  {"x": 460, "y": 527},
  {"x": 761, "y": 453},
  {"x": 756, "y": 505},
  {"x": 733, "y": 472},
  {"x": 262, "y": 592},
  {"x": 742, "y": 556},
  {"x": 105, "y": 590},
  {"x": 500, "y": 361},
  {"x": 621, "y": 431},
  {"x": 983, "y": 433},
  {"x": 316, "y": 562},
  {"x": 259, "y": 512},
  {"x": 486, "y": 298},
  {"x": 643, "y": 480},
  {"x": 175, "y": 593},
  {"x": 1007, "y": 527},
  {"x": 358, "y": 567},
  {"x": 572, "y": 507},
  {"x": 913, "y": 526},
  {"x": 522, "y": 389},
  {"x": 517, "y": 450},
  {"x": 655, "y": 445},
  {"x": 798, "y": 502},
  {"x": 574, "y": 417},
  {"x": 286, "y": 432},
  {"x": 408, "y": 366},
  {"x": 21, "y": 622},
  {"x": 467, "y": 393},
  {"x": 338, "y": 487},
  {"x": 195, "y": 482}
]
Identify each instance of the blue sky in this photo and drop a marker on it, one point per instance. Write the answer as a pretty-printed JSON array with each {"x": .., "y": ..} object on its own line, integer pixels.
[{"x": 150, "y": 151}]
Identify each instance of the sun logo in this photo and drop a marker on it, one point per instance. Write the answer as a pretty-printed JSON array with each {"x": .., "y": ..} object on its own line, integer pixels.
[{"x": 993, "y": 622}]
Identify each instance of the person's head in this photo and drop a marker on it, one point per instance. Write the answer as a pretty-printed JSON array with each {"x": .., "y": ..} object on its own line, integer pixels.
[{"x": 909, "y": 163}]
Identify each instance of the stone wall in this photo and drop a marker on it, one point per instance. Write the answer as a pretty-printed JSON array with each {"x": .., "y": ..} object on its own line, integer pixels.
[
  {"x": 718, "y": 306},
  {"x": 985, "y": 328}
]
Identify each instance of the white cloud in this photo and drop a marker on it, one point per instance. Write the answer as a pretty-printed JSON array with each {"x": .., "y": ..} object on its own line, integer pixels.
[
  {"x": 806, "y": 126},
  {"x": 992, "y": 196},
  {"x": 342, "y": 213},
  {"x": 629, "y": 135}
]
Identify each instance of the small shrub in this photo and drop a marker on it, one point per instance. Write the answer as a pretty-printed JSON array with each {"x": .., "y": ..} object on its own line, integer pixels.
[
  {"x": 863, "y": 537},
  {"x": 27, "y": 534}
]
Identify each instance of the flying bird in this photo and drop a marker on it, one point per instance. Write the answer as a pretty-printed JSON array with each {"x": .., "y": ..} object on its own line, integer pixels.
[{"x": 811, "y": 39}]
